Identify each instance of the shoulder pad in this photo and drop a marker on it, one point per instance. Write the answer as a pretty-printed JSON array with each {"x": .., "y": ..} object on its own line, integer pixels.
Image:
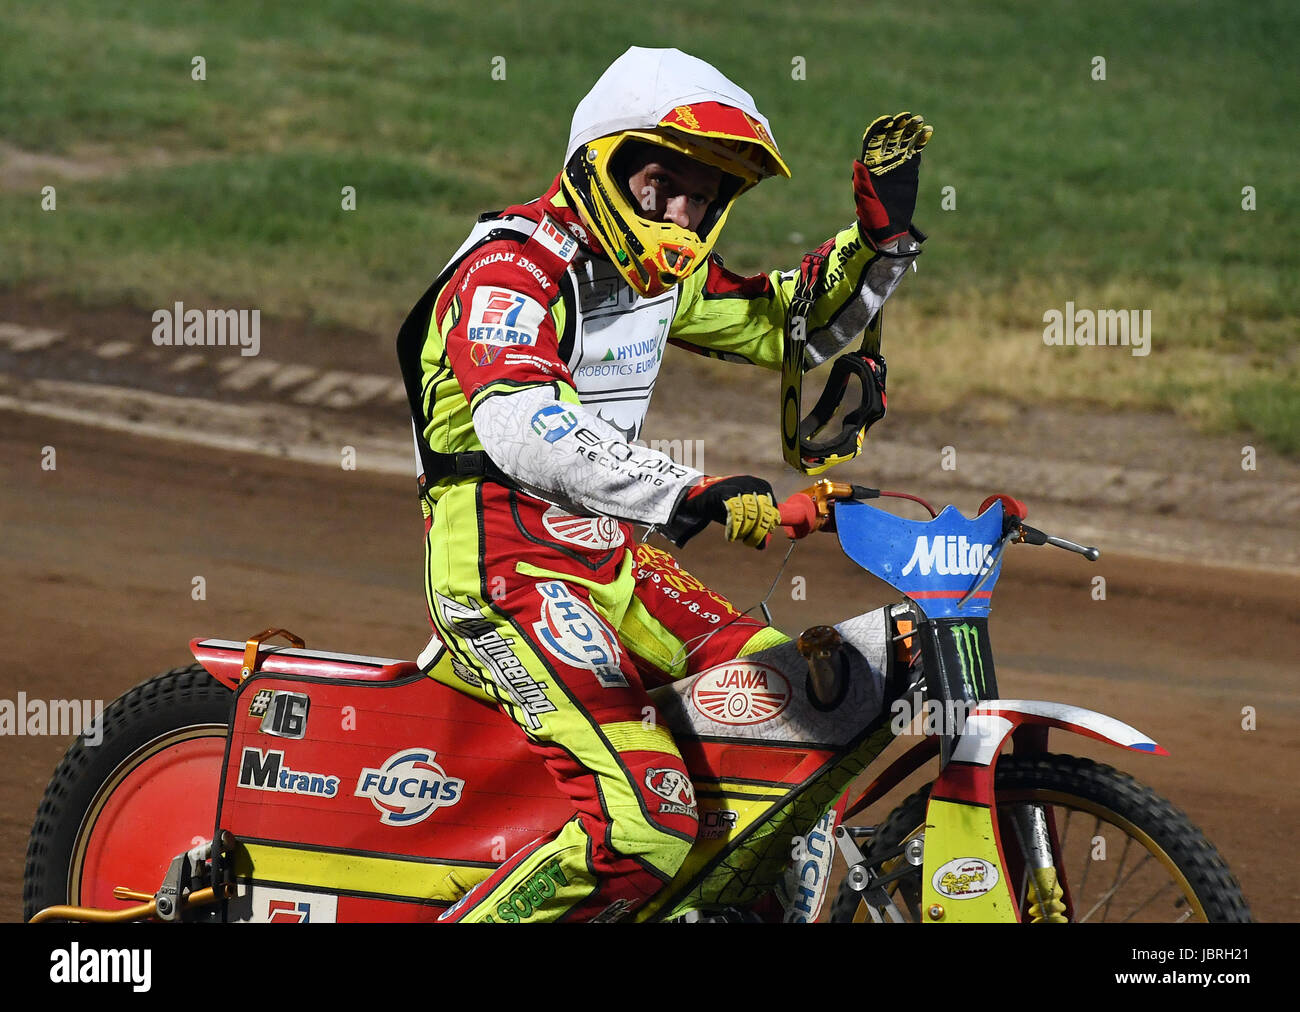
[{"x": 551, "y": 245}]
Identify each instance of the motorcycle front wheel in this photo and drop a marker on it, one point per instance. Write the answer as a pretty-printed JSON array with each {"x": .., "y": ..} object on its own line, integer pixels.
[
  {"x": 117, "y": 810},
  {"x": 1124, "y": 854}
]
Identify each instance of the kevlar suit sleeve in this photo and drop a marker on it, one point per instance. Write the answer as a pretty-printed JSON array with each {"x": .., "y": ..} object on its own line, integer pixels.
[
  {"x": 742, "y": 319},
  {"x": 495, "y": 328}
]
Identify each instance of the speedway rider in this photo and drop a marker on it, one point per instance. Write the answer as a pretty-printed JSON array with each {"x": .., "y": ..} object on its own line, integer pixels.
[{"x": 529, "y": 364}]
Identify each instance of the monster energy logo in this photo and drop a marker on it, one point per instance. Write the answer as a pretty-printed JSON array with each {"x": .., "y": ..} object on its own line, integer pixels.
[{"x": 966, "y": 639}]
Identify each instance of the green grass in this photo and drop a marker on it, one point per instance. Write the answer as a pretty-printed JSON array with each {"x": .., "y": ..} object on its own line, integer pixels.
[
  {"x": 1269, "y": 408},
  {"x": 1123, "y": 193}
]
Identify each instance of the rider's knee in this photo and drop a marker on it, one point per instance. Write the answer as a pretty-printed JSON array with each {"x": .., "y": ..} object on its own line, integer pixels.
[
  {"x": 670, "y": 853},
  {"x": 658, "y": 825},
  {"x": 658, "y": 852}
]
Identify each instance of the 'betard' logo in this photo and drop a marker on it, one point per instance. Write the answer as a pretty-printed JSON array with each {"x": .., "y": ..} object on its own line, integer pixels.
[
  {"x": 948, "y": 556},
  {"x": 555, "y": 239}
]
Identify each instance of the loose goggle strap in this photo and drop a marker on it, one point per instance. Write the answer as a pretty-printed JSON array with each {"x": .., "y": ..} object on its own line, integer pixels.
[
  {"x": 865, "y": 366},
  {"x": 806, "y": 290},
  {"x": 799, "y": 447}
]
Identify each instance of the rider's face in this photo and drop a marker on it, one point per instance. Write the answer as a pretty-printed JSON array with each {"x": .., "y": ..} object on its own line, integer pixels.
[{"x": 667, "y": 186}]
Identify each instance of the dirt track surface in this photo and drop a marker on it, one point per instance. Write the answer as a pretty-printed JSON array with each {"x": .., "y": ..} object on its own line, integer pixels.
[
  {"x": 100, "y": 554},
  {"x": 1142, "y": 483}
]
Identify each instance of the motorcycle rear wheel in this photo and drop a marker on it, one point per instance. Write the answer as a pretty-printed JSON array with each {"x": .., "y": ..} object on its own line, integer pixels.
[
  {"x": 116, "y": 813},
  {"x": 1101, "y": 815}
]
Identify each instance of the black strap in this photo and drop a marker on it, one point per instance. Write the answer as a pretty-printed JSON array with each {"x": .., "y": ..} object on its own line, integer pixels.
[
  {"x": 410, "y": 341},
  {"x": 470, "y": 464}
]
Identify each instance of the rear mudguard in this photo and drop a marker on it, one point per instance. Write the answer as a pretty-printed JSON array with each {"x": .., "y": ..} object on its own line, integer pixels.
[
  {"x": 962, "y": 877},
  {"x": 225, "y": 661}
]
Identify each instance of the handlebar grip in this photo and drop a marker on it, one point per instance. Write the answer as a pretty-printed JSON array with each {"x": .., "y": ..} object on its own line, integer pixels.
[
  {"x": 1010, "y": 507},
  {"x": 798, "y": 516}
]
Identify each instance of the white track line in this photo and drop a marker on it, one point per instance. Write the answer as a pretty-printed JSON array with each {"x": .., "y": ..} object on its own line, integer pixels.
[{"x": 207, "y": 423}]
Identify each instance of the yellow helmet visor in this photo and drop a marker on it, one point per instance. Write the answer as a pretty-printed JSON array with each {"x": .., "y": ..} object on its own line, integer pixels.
[{"x": 654, "y": 255}]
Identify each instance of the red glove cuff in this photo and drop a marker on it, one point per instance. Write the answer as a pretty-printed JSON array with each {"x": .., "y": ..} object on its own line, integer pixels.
[{"x": 871, "y": 212}]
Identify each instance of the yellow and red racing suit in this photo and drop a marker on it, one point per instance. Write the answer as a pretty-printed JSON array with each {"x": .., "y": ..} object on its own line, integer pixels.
[{"x": 530, "y": 364}]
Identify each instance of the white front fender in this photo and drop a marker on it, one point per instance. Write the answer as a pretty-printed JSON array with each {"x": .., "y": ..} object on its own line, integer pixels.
[{"x": 988, "y": 725}]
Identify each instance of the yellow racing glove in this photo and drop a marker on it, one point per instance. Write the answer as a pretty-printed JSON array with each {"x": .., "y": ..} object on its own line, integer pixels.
[
  {"x": 885, "y": 180},
  {"x": 743, "y": 503}
]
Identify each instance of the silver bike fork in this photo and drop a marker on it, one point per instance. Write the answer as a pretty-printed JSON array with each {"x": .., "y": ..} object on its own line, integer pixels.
[{"x": 1040, "y": 864}]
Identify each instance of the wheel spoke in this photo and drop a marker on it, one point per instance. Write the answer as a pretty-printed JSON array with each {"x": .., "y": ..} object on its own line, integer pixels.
[
  {"x": 1087, "y": 860},
  {"x": 1110, "y": 893},
  {"x": 1128, "y": 842},
  {"x": 1136, "y": 890},
  {"x": 1146, "y": 902}
]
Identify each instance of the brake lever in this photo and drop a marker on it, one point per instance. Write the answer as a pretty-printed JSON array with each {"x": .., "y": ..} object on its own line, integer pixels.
[
  {"x": 1010, "y": 537},
  {"x": 1032, "y": 536}
]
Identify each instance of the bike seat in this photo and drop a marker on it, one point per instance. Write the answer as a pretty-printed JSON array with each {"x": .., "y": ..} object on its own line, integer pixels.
[{"x": 224, "y": 660}]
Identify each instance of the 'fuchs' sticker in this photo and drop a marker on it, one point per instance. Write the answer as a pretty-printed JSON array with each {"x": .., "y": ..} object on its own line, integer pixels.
[
  {"x": 409, "y": 787},
  {"x": 571, "y": 632}
]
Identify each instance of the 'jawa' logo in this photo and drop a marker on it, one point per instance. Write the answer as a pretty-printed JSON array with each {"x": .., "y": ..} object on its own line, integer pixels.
[
  {"x": 585, "y": 532},
  {"x": 741, "y": 693}
]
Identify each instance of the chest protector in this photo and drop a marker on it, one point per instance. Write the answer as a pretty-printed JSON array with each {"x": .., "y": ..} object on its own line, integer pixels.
[{"x": 612, "y": 342}]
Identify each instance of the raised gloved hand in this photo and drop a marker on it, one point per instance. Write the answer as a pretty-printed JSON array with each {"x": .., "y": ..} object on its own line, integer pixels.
[
  {"x": 745, "y": 504},
  {"x": 886, "y": 179}
]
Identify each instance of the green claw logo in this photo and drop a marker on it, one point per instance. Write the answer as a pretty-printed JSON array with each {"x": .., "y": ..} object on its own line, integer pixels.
[{"x": 967, "y": 641}]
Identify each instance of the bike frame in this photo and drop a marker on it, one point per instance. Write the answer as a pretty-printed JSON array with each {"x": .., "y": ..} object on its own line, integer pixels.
[
  {"x": 947, "y": 568},
  {"x": 759, "y": 786},
  {"x": 314, "y": 826}
]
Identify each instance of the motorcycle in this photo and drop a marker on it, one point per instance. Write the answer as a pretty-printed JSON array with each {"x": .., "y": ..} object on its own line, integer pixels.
[{"x": 282, "y": 784}]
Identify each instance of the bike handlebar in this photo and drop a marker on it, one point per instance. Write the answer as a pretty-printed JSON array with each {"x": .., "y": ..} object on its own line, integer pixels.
[
  {"x": 810, "y": 510},
  {"x": 799, "y": 516}
]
